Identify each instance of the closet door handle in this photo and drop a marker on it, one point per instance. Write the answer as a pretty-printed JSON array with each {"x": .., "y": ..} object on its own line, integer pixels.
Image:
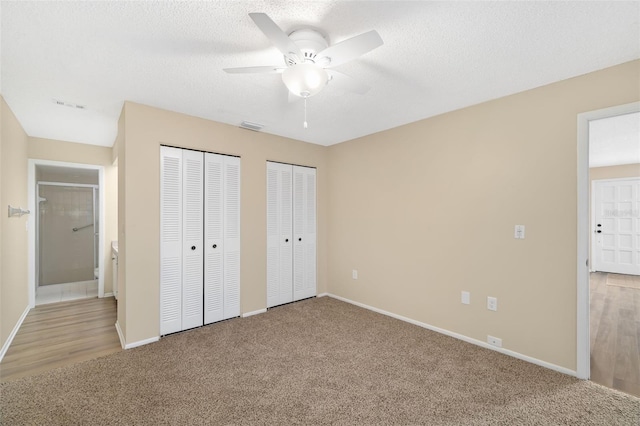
[
  {"x": 193, "y": 247},
  {"x": 286, "y": 240},
  {"x": 214, "y": 246},
  {"x": 299, "y": 239}
]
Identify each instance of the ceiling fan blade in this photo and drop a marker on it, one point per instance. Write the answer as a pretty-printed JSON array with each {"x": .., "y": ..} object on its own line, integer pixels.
[
  {"x": 278, "y": 37},
  {"x": 349, "y": 49},
  {"x": 344, "y": 82},
  {"x": 255, "y": 70}
]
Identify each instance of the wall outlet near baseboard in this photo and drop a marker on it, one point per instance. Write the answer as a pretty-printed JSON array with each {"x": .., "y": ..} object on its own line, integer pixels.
[
  {"x": 494, "y": 341},
  {"x": 354, "y": 274}
]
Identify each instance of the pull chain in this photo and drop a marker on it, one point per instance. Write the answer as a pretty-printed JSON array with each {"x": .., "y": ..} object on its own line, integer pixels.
[{"x": 305, "y": 112}]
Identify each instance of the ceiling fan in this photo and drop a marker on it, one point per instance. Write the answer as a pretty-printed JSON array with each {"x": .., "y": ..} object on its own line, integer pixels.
[{"x": 309, "y": 59}]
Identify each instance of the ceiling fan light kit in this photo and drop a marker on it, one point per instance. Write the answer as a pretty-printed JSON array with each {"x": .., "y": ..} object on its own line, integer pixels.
[
  {"x": 305, "y": 79},
  {"x": 307, "y": 55}
]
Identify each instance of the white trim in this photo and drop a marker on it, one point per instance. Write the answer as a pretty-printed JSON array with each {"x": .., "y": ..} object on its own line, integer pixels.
[
  {"x": 461, "y": 337},
  {"x": 142, "y": 342},
  {"x": 73, "y": 185},
  {"x": 582, "y": 330},
  {"x": 108, "y": 295},
  {"x": 134, "y": 344},
  {"x": 249, "y": 314},
  {"x": 322, "y": 295},
  {"x": 31, "y": 197},
  {"x": 13, "y": 333},
  {"x": 120, "y": 335}
]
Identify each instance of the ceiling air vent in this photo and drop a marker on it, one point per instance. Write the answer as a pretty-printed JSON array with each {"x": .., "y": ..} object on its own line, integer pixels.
[
  {"x": 68, "y": 104},
  {"x": 251, "y": 126}
]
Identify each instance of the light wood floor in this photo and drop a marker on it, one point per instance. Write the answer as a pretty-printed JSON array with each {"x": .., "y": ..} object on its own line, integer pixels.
[
  {"x": 59, "y": 334},
  {"x": 615, "y": 332}
]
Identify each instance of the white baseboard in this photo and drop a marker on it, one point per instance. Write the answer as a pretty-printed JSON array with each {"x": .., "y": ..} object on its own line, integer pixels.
[
  {"x": 322, "y": 295},
  {"x": 107, "y": 295},
  {"x": 249, "y": 314},
  {"x": 13, "y": 333},
  {"x": 120, "y": 335},
  {"x": 463, "y": 338},
  {"x": 134, "y": 344},
  {"x": 142, "y": 342}
]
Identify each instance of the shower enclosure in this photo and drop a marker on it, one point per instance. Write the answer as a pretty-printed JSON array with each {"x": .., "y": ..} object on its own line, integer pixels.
[{"x": 67, "y": 233}]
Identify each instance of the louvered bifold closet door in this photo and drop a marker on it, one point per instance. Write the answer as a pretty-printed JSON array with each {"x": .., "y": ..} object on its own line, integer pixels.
[
  {"x": 304, "y": 232},
  {"x": 213, "y": 234},
  {"x": 192, "y": 251},
  {"x": 279, "y": 234},
  {"x": 170, "y": 240},
  {"x": 231, "y": 204}
]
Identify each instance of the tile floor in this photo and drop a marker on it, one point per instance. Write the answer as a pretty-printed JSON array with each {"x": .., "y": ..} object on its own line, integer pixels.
[{"x": 64, "y": 292}]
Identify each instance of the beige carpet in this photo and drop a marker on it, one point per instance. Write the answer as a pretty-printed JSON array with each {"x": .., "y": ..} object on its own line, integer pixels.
[
  {"x": 629, "y": 281},
  {"x": 320, "y": 361}
]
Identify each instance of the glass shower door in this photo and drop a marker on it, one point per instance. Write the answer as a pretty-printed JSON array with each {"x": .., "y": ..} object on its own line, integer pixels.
[{"x": 66, "y": 234}]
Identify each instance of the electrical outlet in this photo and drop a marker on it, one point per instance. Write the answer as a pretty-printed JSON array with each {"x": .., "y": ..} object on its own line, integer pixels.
[
  {"x": 354, "y": 274},
  {"x": 466, "y": 298},
  {"x": 494, "y": 341},
  {"x": 518, "y": 233},
  {"x": 492, "y": 303}
]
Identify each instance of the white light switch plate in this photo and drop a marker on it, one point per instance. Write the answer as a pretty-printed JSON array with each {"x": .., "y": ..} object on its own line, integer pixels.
[
  {"x": 466, "y": 298},
  {"x": 354, "y": 274},
  {"x": 492, "y": 303},
  {"x": 519, "y": 232}
]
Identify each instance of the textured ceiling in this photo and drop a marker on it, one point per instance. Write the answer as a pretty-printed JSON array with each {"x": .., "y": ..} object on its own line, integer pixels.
[{"x": 436, "y": 57}]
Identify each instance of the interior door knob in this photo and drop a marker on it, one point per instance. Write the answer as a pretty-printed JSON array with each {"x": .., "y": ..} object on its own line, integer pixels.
[
  {"x": 286, "y": 240},
  {"x": 193, "y": 247},
  {"x": 214, "y": 246},
  {"x": 299, "y": 239},
  {"x": 598, "y": 231}
]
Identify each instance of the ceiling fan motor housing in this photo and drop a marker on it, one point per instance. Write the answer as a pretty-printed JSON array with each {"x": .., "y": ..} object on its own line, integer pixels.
[{"x": 310, "y": 42}]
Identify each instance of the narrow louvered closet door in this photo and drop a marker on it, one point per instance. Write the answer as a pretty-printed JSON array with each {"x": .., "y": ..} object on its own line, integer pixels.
[
  {"x": 192, "y": 252},
  {"x": 213, "y": 213},
  {"x": 304, "y": 232},
  {"x": 279, "y": 234},
  {"x": 222, "y": 238},
  {"x": 231, "y": 237},
  {"x": 170, "y": 240}
]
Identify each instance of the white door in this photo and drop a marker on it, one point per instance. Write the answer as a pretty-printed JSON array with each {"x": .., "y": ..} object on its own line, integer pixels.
[
  {"x": 222, "y": 238},
  {"x": 170, "y": 240},
  {"x": 213, "y": 233},
  {"x": 304, "y": 232},
  {"x": 279, "y": 234},
  {"x": 617, "y": 226},
  {"x": 192, "y": 250},
  {"x": 231, "y": 237}
]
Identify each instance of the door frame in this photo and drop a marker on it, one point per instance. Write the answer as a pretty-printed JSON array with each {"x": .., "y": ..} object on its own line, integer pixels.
[
  {"x": 31, "y": 223},
  {"x": 583, "y": 345}
]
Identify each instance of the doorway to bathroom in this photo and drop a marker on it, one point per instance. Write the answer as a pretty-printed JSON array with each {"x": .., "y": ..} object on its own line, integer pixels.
[{"x": 66, "y": 248}]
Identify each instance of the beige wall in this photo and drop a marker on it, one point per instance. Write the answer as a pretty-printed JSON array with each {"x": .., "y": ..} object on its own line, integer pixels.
[
  {"x": 146, "y": 129},
  {"x": 428, "y": 209},
  {"x": 614, "y": 172},
  {"x": 14, "y": 294},
  {"x": 47, "y": 149},
  {"x": 119, "y": 157}
]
